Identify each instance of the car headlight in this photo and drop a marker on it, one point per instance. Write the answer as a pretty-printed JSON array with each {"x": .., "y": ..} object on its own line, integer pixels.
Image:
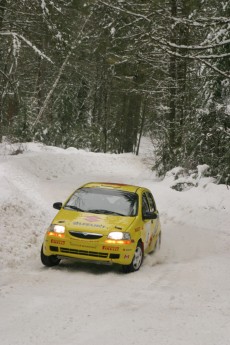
[
  {"x": 59, "y": 229},
  {"x": 118, "y": 235}
]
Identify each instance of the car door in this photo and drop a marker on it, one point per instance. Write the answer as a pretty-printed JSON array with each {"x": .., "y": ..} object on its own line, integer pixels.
[
  {"x": 155, "y": 222},
  {"x": 148, "y": 224}
]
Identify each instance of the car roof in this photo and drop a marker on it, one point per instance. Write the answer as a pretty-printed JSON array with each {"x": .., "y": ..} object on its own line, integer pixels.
[{"x": 112, "y": 185}]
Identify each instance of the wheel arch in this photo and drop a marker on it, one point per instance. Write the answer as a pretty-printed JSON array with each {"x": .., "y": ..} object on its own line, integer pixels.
[{"x": 141, "y": 242}]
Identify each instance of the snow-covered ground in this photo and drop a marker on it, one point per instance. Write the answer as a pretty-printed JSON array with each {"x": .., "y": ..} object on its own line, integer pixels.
[{"x": 181, "y": 295}]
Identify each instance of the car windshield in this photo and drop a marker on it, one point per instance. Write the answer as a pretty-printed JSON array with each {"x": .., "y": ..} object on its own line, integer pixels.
[{"x": 104, "y": 201}]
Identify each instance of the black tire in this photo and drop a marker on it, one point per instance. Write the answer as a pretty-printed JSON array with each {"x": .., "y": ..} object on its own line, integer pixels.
[
  {"x": 49, "y": 261},
  {"x": 137, "y": 260}
]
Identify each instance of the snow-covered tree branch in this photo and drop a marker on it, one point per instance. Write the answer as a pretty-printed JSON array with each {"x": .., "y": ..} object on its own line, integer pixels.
[{"x": 28, "y": 42}]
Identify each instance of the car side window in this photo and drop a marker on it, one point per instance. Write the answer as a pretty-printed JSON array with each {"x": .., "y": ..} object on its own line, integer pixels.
[
  {"x": 151, "y": 201},
  {"x": 145, "y": 205}
]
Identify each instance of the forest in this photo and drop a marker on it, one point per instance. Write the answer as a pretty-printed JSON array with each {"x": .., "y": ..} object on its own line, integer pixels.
[{"x": 99, "y": 75}]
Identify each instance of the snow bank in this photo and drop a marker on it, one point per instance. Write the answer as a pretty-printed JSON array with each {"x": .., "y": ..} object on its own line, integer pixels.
[{"x": 179, "y": 295}]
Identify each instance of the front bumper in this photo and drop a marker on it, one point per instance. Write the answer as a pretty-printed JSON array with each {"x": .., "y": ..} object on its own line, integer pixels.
[{"x": 93, "y": 250}]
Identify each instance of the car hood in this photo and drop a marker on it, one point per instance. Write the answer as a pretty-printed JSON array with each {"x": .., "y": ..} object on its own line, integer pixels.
[{"x": 91, "y": 222}]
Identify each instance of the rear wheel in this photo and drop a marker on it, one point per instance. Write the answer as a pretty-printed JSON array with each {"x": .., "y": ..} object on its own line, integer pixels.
[
  {"x": 49, "y": 261},
  {"x": 137, "y": 260}
]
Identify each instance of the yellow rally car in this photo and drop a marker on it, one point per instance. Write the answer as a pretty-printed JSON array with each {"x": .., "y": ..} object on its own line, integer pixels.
[{"x": 106, "y": 222}]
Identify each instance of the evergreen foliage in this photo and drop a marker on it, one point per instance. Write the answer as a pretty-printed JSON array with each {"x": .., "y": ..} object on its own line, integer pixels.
[{"x": 98, "y": 74}]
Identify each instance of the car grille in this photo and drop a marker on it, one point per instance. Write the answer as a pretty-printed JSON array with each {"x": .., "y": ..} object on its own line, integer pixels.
[
  {"x": 84, "y": 252},
  {"x": 86, "y": 235}
]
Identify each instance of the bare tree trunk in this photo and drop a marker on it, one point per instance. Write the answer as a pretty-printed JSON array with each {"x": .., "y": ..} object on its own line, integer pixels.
[
  {"x": 142, "y": 116},
  {"x": 173, "y": 84},
  {"x": 2, "y": 12},
  {"x": 50, "y": 93}
]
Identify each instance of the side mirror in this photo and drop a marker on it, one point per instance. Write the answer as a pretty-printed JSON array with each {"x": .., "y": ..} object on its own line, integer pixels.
[
  {"x": 150, "y": 215},
  {"x": 57, "y": 205}
]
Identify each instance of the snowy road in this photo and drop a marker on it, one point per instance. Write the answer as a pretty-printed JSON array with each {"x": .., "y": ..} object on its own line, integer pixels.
[{"x": 181, "y": 295}]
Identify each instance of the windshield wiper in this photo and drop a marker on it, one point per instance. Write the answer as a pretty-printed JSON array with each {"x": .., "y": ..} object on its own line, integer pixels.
[
  {"x": 74, "y": 208},
  {"x": 105, "y": 212}
]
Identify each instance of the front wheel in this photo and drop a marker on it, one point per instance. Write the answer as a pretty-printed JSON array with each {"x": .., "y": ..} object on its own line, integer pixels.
[
  {"x": 137, "y": 260},
  {"x": 49, "y": 261}
]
